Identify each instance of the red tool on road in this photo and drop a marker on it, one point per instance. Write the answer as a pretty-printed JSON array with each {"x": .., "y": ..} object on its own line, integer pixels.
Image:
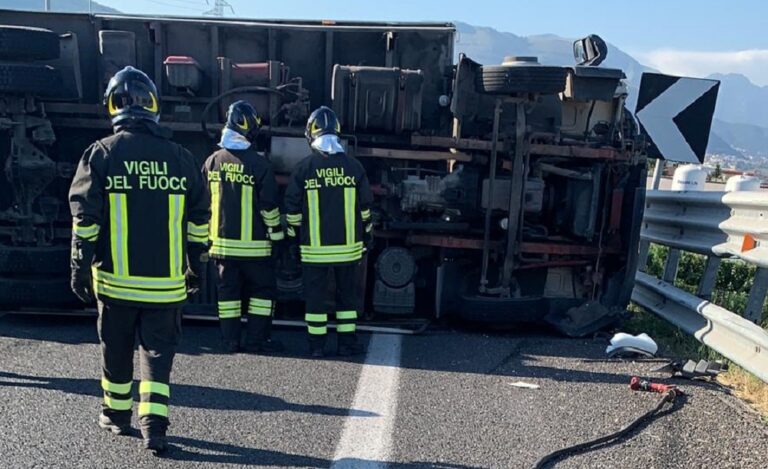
[{"x": 638, "y": 384}]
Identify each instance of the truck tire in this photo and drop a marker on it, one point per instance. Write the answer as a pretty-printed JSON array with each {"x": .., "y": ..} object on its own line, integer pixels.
[
  {"x": 42, "y": 80},
  {"x": 510, "y": 79},
  {"x": 34, "y": 260},
  {"x": 25, "y": 43}
]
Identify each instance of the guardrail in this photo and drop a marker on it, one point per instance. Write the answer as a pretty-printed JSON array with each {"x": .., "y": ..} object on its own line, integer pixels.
[{"x": 718, "y": 225}]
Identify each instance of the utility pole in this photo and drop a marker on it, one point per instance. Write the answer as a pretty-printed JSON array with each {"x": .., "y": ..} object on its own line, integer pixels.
[
  {"x": 47, "y": 5},
  {"x": 218, "y": 8}
]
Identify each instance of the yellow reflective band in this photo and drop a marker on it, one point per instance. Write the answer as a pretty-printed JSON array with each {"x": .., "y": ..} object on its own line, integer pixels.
[
  {"x": 149, "y": 296},
  {"x": 175, "y": 215},
  {"x": 137, "y": 282},
  {"x": 197, "y": 233},
  {"x": 316, "y": 317},
  {"x": 230, "y": 309},
  {"x": 368, "y": 227},
  {"x": 350, "y": 203},
  {"x": 260, "y": 302},
  {"x": 88, "y": 233},
  {"x": 230, "y": 304},
  {"x": 246, "y": 213},
  {"x": 215, "y": 189},
  {"x": 118, "y": 404},
  {"x": 117, "y": 388},
  {"x": 230, "y": 314},
  {"x": 240, "y": 252},
  {"x": 345, "y": 328},
  {"x": 118, "y": 226},
  {"x": 317, "y": 330},
  {"x": 271, "y": 217},
  {"x": 153, "y": 408},
  {"x": 332, "y": 254},
  {"x": 365, "y": 214},
  {"x": 313, "y": 202},
  {"x": 293, "y": 219},
  {"x": 111, "y": 106},
  {"x": 236, "y": 243},
  {"x": 276, "y": 236},
  {"x": 346, "y": 315},
  {"x": 153, "y": 107},
  {"x": 257, "y": 311},
  {"x": 291, "y": 232},
  {"x": 146, "y": 387}
]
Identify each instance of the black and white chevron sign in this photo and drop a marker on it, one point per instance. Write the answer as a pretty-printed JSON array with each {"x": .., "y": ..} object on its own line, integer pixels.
[{"x": 675, "y": 114}]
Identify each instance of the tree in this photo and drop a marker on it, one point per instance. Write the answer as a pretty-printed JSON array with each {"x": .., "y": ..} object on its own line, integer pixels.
[{"x": 717, "y": 174}]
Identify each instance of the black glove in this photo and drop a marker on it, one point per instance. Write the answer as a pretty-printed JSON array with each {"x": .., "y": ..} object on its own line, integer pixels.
[
  {"x": 368, "y": 237},
  {"x": 197, "y": 259},
  {"x": 82, "y": 285},
  {"x": 278, "y": 248},
  {"x": 81, "y": 281}
]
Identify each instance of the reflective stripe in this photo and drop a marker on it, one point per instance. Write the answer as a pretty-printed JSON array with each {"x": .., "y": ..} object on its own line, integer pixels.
[
  {"x": 271, "y": 217},
  {"x": 365, "y": 214},
  {"x": 236, "y": 243},
  {"x": 117, "y": 388},
  {"x": 350, "y": 202},
  {"x": 260, "y": 307},
  {"x": 146, "y": 387},
  {"x": 313, "y": 204},
  {"x": 290, "y": 231},
  {"x": 293, "y": 219},
  {"x": 175, "y": 215},
  {"x": 246, "y": 213},
  {"x": 118, "y": 226},
  {"x": 118, "y": 404},
  {"x": 368, "y": 227},
  {"x": 140, "y": 296},
  {"x": 314, "y": 330},
  {"x": 277, "y": 236},
  {"x": 332, "y": 254},
  {"x": 88, "y": 233},
  {"x": 213, "y": 227},
  {"x": 136, "y": 282},
  {"x": 197, "y": 233},
  {"x": 316, "y": 317},
  {"x": 153, "y": 408},
  {"x": 346, "y": 315},
  {"x": 240, "y": 252},
  {"x": 345, "y": 328},
  {"x": 230, "y": 309}
]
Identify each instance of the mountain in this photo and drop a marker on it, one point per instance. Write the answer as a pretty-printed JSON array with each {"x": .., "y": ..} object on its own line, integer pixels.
[
  {"x": 741, "y": 101},
  {"x": 66, "y": 6}
]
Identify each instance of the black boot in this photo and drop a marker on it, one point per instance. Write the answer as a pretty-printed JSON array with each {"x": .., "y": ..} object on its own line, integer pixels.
[
  {"x": 317, "y": 346},
  {"x": 157, "y": 444},
  {"x": 230, "y": 334},
  {"x": 258, "y": 338},
  {"x": 348, "y": 345},
  {"x": 115, "y": 427}
]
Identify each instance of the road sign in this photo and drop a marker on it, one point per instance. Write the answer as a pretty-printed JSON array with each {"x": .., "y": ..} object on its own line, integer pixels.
[{"x": 675, "y": 114}]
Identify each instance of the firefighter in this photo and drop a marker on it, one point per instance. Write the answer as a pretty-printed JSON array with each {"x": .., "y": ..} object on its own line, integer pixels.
[
  {"x": 327, "y": 205},
  {"x": 245, "y": 227},
  {"x": 140, "y": 231}
]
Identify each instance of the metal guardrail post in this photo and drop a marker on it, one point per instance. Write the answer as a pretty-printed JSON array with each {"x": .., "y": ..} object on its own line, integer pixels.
[
  {"x": 670, "y": 268},
  {"x": 754, "y": 309},
  {"x": 707, "y": 284},
  {"x": 642, "y": 256}
]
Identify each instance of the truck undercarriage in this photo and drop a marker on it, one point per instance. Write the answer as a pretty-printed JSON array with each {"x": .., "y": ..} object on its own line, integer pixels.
[{"x": 504, "y": 193}]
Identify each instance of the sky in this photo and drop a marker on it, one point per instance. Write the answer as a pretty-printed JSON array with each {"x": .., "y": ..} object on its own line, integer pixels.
[{"x": 682, "y": 37}]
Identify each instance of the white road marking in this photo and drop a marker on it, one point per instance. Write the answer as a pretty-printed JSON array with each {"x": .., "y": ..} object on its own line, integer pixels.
[{"x": 366, "y": 441}]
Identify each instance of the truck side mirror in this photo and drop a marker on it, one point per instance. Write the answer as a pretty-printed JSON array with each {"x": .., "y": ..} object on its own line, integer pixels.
[{"x": 590, "y": 51}]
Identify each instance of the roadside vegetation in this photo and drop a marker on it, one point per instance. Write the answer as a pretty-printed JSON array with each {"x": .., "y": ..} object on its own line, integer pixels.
[{"x": 734, "y": 280}]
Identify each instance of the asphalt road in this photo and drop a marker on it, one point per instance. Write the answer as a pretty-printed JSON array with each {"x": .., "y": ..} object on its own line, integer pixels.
[{"x": 443, "y": 399}]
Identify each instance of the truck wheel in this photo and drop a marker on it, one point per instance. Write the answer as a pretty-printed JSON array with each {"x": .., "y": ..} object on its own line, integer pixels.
[
  {"x": 25, "y": 43},
  {"x": 509, "y": 79},
  {"x": 35, "y": 79},
  {"x": 34, "y": 260}
]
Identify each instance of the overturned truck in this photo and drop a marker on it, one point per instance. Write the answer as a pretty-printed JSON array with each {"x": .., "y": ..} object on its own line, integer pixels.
[{"x": 504, "y": 193}]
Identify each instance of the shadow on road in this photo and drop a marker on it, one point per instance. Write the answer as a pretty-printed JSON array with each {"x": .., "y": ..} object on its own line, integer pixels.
[
  {"x": 184, "y": 395},
  {"x": 202, "y": 451}
]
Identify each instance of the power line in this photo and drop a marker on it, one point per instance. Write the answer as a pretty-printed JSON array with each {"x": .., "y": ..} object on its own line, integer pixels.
[{"x": 218, "y": 8}]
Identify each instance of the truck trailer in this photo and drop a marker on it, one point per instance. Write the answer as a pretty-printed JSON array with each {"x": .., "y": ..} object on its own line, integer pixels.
[{"x": 504, "y": 193}]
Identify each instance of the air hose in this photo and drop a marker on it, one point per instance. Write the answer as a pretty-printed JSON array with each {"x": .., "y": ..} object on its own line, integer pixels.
[{"x": 668, "y": 396}]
